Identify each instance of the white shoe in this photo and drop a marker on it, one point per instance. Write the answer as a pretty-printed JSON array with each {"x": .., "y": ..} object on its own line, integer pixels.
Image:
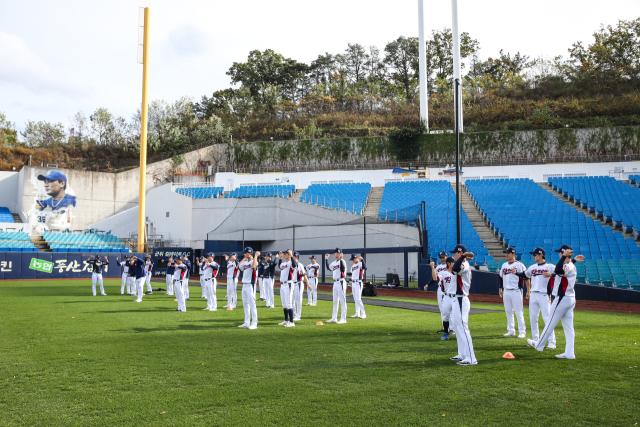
[
  {"x": 104, "y": 295},
  {"x": 138, "y": 300},
  {"x": 509, "y": 334},
  {"x": 456, "y": 358},
  {"x": 551, "y": 347},
  {"x": 283, "y": 323},
  {"x": 452, "y": 332},
  {"x": 355, "y": 315},
  {"x": 341, "y": 322},
  {"x": 205, "y": 309},
  {"x": 253, "y": 327},
  {"x": 522, "y": 336},
  {"x": 467, "y": 362},
  {"x": 331, "y": 321},
  {"x": 363, "y": 317},
  {"x": 296, "y": 319},
  {"x": 564, "y": 356},
  {"x": 243, "y": 326},
  {"x": 290, "y": 325},
  {"x": 226, "y": 306}
]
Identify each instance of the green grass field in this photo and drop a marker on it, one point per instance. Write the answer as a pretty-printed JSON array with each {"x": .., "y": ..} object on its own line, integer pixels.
[{"x": 70, "y": 359}]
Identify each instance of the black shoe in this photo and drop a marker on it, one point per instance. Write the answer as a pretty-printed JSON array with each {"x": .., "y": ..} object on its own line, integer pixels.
[
  {"x": 441, "y": 331},
  {"x": 149, "y": 293}
]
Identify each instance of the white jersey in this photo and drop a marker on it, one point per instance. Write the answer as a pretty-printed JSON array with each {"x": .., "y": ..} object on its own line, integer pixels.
[
  {"x": 511, "y": 281},
  {"x": 539, "y": 283},
  {"x": 564, "y": 283},
  {"x": 448, "y": 281},
  {"x": 248, "y": 272},
  {"x": 312, "y": 270},
  {"x": 339, "y": 268},
  {"x": 125, "y": 267},
  {"x": 209, "y": 270},
  {"x": 180, "y": 272},
  {"x": 439, "y": 269},
  {"x": 286, "y": 271},
  {"x": 148, "y": 266},
  {"x": 300, "y": 272},
  {"x": 232, "y": 270},
  {"x": 463, "y": 279},
  {"x": 201, "y": 269},
  {"x": 357, "y": 272}
]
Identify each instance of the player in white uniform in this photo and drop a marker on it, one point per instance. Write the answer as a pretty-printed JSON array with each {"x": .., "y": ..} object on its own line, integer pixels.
[
  {"x": 171, "y": 269},
  {"x": 287, "y": 266},
  {"x": 210, "y": 270},
  {"x": 269, "y": 278},
  {"x": 338, "y": 269},
  {"x": 131, "y": 278},
  {"x": 232, "y": 281},
  {"x": 185, "y": 281},
  {"x": 312, "y": 275},
  {"x": 249, "y": 269},
  {"x": 540, "y": 297},
  {"x": 201, "y": 274},
  {"x": 97, "y": 265},
  {"x": 511, "y": 293},
  {"x": 178, "y": 276},
  {"x": 447, "y": 285},
  {"x": 439, "y": 295},
  {"x": 148, "y": 268},
  {"x": 460, "y": 306},
  {"x": 357, "y": 275},
  {"x": 125, "y": 272},
  {"x": 300, "y": 277},
  {"x": 563, "y": 304}
]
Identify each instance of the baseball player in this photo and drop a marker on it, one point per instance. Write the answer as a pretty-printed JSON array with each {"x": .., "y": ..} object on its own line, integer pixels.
[
  {"x": 138, "y": 271},
  {"x": 148, "y": 267},
  {"x": 312, "y": 275},
  {"x": 249, "y": 269},
  {"x": 262, "y": 264},
  {"x": 563, "y": 304},
  {"x": 178, "y": 275},
  {"x": 511, "y": 292},
  {"x": 339, "y": 268},
  {"x": 232, "y": 281},
  {"x": 131, "y": 282},
  {"x": 357, "y": 274},
  {"x": 300, "y": 277},
  {"x": 210, "y": 270},
  {"x": 124, "y": 264},
  {"x": 540, "y": 296},
  {"x": 185, "y": 281},
  {"x": 445, "y": 280},
  {"x": 201, "y": 274},
  {"x": 287, "y": 266},
  {"x": 171, "y": 269},
  {"x": 460, "y": 306},
  {"x": 96, "y": 276},
  {"x": 268, "y": 279},
  {"x": 439, "y": 293}
]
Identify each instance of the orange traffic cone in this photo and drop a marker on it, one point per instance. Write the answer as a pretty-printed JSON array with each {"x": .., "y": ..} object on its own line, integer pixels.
[
  {"x": 508, "y": 355},
  {"x": 319, "y": 324}
]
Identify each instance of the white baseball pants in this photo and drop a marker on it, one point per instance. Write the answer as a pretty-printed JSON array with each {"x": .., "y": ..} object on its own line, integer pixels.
[
  {"x": 540, "y": 303},
  {"x": 440, "y": 296},
  {"x": 232, "y": 292},
  {"x": 203, "y": 287},
  {"x": 169, "y": 278},
  {"x": 312, "y": 294},
  {"x": 561, "y": 309},
  {"x": 267, "y": 282},
  {"x": 131, "y": 285},
  {"x": 297, "y": 299},
  {"x": 249, "y": 304},
  {"x": 96, "y": 278},
  {"x": 339, "y": 292},
  {"x": 460, "y": 318},
  {"x": 179, "y": 295},
  {"x": 124, "y": 283},
  {"x": 445, "y": 310},
  {"x": 140, "y": 287},
  {"x": 286, "y": 295},
  {"x": 512, "y": 299},
  {"x": 261, "y": 286},
  {"x": 356, "y": 290},
  {"x": 148, "y": 279},
  {"x": 185, "y": 287},
  {"x": 209, "y": 288}
]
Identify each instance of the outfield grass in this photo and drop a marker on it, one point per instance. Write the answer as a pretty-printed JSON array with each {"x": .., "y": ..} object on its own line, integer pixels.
[{"x": 70, "y": 359}]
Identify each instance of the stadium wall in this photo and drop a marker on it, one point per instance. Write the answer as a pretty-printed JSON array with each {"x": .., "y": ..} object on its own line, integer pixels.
[{"x": 9, "y": 183}]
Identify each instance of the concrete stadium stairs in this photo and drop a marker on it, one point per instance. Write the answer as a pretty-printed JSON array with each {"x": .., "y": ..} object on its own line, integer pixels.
[
  {"x": 16, "y": 218},
  {"x": 489, "y": 238},
  {"x": 296, "y": 195},
  {"x": 373, "y": 202},
  {"x": 39, "y": 242}
]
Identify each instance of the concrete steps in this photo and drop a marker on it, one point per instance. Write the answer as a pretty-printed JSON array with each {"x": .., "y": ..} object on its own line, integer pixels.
[
  {"x": 373, "y": 202},
  {"x": 39, "y": 242},
  {"x": 296, "y": 195},
  {"x": 490, "y": 240},
  {"x": 16, "y": 218}
]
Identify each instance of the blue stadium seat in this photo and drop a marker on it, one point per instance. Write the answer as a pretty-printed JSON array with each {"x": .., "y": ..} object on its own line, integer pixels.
[
  {"x": 5, "y": 215},
  {"x": 269, "y": 190},
  {"x": 347, "y": 197}
]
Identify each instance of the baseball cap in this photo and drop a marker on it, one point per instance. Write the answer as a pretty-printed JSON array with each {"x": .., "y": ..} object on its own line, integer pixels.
[
  {"x": 442, "y": 254},
  {"x": 353, "y": 256},
  {"x": 312, "y": 257},
  {"x": 510, "y": 250},
  {"x": 233, "y": 254},
  {"x": 53, "y": 175},
  {"x": 202, "y": 257},
  {"x": 338, "y": 251},
  {"x": 268, "y": 254},
  {"x": 296, "y": 254},
  {"x": 459, "y": 248},
  {"x": 538, "y": 251},
  {"x": 564, "y": 248},
  {"x": 211, "y": 254},
  {"x": 450, "y": 259},
  {"x": 248, "y": 250}
]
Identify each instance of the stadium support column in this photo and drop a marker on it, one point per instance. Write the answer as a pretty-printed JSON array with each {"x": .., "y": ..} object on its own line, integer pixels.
[
  {"x": 456, "y": 83},
  {"x": 364, "y": 231},
  {"x": 456, "y": 60},
  {"x": 424, "y": 96},
  {"x": 143, "y": 135},
  {"x": 406, "y": 269}
]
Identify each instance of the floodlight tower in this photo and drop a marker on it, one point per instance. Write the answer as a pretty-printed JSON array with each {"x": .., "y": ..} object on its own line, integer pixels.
[
  {"x": 424, "y": 96},
  {"x": 143, "y": 132}
]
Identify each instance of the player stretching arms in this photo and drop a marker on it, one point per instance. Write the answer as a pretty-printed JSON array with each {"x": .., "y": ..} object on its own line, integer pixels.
[
  {"x": 460, "y": 306},
  {"x": 339, "y": 268},
  {"x": 171, "y": 269},
  {"x": 209, "y": 272},
  {"x": 447, "y": 281},
  {"x": 563, "y": 304},
  {"x": 357, "y": 274},
  {"x": 287, "y": 266},
  {"x": 312, "y": 274},
  {"x": 185, "y": 280},
  {"x": 125, "y": 273},
  {"x": 96, "y": 276},
  {"x": 512, "y": 293},
  {"x": 249, "y": 268},
  {"x": 201, "y": 273},
  {"x": 439, "y": 268},
  {"x": 138, "y": 271},
  {"x": 232, "y": 281},
  {"x": 178, "y": 276},
  {"x": 268, "y": 279},
  {"x": 148, "y": 267}
]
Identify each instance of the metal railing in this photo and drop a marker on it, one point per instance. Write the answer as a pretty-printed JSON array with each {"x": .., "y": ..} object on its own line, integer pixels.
[{"x": 332, "y": 203}]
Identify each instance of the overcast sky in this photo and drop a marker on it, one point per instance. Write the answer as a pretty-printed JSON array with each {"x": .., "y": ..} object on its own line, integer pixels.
[{"x": 59, "y": 57}]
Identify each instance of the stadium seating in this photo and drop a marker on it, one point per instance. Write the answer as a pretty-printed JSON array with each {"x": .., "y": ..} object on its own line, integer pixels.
[
  {"x": 84, "y": 242},
  {"x": 634, "y": 179},
  {"x": 401, "y": 201},
  {"x": 608, "y": 198},
  {"x": 526, "y": 216},
  {"x": 347, "y": 197},
  {"x": 274, "y": 190},
  {"x": 16, "y": 241},
  {"x": 200, "y": 192},
  {"x": 5, "y": 215}
]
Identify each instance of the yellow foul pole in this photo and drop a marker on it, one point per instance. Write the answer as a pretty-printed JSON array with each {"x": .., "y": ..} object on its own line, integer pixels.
[{"x": 143, "y": 135}]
